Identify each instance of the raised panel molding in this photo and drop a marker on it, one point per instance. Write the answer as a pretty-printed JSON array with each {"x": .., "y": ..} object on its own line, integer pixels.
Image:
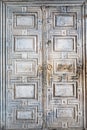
[
  {"x": 26, "y": 115},
  {"x": 67, "y": 20},
  {"x": 25, "y": 91},
  {"x": 64, "y": 90},
  {"x": 25, "y": 20},
  {"x": 64, "y": 44},
  {"x": 25, "y": 43}
]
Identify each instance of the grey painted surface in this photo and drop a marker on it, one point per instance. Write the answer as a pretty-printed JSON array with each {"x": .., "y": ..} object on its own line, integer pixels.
[{"x": 43, "y": 65}]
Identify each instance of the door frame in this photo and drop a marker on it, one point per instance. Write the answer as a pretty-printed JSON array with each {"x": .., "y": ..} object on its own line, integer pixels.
[{"x": 2, "y": 47}]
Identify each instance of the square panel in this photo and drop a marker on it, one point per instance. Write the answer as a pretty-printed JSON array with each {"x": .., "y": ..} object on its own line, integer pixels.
[
  {"x": 64, "y": 44},
  {"x": 65, "y": 112},
  {"x": 64, "y": 20},
  {"x": 60, "y": 114},
  {"x": 64, "y": 66},
  {"x": 24, "y": 115},
  {"x": 26, "y": 67},
  {"x": 23, "y": 67},
  {"x": 25, "y": 20},
  {"x": 25, "y": 43},
  {"x": 64, "y": 90},
  {"x": 25, "y": 91},
  {"x": 28, "y": 115}
]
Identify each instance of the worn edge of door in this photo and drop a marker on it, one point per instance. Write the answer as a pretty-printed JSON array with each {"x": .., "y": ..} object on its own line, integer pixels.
[
  {"x": 84, "y": 65},
  {"x": 0, "y": 60},
  {"x": 3, "y": 65},
  {"x": 85, "y": 48}
]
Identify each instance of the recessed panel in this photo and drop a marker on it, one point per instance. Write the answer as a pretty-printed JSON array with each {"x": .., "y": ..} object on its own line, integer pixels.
[
  {"x": 25, "y": 43},
  {"x": 25, "y": 91},
  {"x": 65, "y": 66},
  {"x": 62, "y": 20},
  {"x": 65, "y": 112},
  {"x": 24, "y": 115},
  {"x": 26, "y": 67},
  {"x": 64, "y": 90},
  {"x": 25, "y": 20},
  {"x": 64, "y": 44}
]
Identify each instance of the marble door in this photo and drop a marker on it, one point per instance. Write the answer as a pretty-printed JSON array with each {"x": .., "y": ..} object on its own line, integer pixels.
[{"x": 43, "y": 65}]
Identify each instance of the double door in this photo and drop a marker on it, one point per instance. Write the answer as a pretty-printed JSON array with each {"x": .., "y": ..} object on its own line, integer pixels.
[{"x": 43, "y": 66}]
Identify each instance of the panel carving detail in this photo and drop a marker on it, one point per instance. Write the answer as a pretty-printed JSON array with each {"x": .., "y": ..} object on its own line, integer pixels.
[
  {"x": 65, "y": 66},
  {"x": 65, "y": 20},
  {"x": 66, "y": 44},
  {"x": 65, "y": 112},
  {"x": 64, "y": 90},
  {"x": 25, "y": 20},
  {"x": 25, "y": 43},
  {"x": 24, "y": 115},
  {"x": 25, "y": 91},
  {"x": 26, "y": 67},
  {"x": 68, "y": 20}
]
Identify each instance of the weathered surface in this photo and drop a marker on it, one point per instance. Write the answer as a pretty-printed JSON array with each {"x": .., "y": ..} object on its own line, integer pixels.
[{"x": 42, "y": 65}]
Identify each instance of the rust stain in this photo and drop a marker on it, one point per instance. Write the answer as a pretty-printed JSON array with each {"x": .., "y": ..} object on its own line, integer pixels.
[
  {"x": 40, "y": 68},
  {"x": 49, "y": 71},
  {"x": 85, "y": 16},
  {"x": 64, "y": 67}
]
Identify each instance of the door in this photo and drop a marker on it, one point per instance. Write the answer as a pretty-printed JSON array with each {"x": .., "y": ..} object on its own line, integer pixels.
[
  {"x": 64, "y": 103},
  {"x": 23, "y": 62},
  {"x": 43, "y": 66}
]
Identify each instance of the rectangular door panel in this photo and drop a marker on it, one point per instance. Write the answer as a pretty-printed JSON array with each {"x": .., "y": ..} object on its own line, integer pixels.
[
  {"x": 64, "y": 103},
  {"x": 23, "y": 58}
]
